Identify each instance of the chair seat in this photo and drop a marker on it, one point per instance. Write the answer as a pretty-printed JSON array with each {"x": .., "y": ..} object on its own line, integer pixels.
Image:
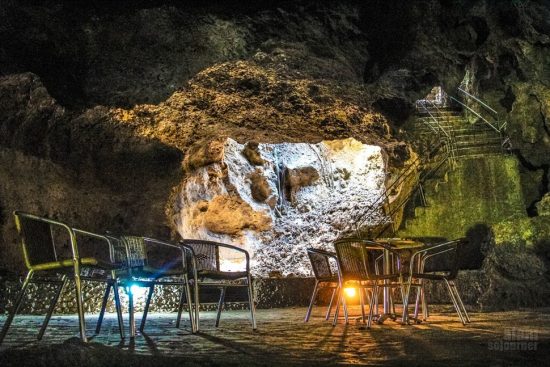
[
  {"x": 328, "y": 279},
  {"x": 432, "y": 276},
  {"x": 221, "y": 275},
  {"x": 150, "y": 272},
  {"x": 68, "y": 263}
]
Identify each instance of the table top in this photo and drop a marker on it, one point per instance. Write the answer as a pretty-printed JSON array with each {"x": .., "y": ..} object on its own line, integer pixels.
[{"x": 401, "y": 243}]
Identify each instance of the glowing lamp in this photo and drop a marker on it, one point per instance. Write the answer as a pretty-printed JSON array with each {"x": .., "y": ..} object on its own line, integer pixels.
[
  {"x": 138, "y": 292},
  {"x": 349, "y": 292}
]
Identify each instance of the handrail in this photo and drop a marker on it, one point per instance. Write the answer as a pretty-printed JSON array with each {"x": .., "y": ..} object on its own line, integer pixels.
[
  {"x": 476, "y": 113},
  {"x": 403, "y": 176},
  {"x": 487, "y": 107},
  {"x": 415, "y": 188},
  {"x": 449, "y": 142},
  {"x": 433, "y": 118}
]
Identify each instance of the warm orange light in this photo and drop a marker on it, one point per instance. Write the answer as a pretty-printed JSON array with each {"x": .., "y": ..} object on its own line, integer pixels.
[{"x": 350, "y": 292}]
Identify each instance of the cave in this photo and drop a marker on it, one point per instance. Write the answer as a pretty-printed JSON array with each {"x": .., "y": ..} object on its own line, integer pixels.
[{"x": 277, "y": 127}]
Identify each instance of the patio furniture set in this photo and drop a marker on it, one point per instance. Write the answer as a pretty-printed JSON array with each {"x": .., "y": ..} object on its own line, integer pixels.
[
  {"x": 371, "y": 266},
  {"x": 385, "y": 266},
  {"x": 123, "y": 261}
]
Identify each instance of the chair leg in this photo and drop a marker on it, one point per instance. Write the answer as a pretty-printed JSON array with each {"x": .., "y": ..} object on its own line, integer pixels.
[
  {"x": 362, "y": 302},
  {"x": 340, "y": 295},
  {"x": 80, "y": 303},
  {"x": 425, "y": 310},
  {"x": 118, "y": 307},
  {"x": 103, "y": 307},
  {"x": 345, "y": 307},
  {"x": 313, "y": 296},
  {"x": 376, "y": 304},
  {"x": 197, "y": 305},
  {"x": 459, "y": 299},
  {"x": 373, "y": 299},
  {"x": 251, "y": 302},
  {"x": 329, "y": 309},
  {"x": 180, "y": 307},
  {"x": 16, "y": 306},
  {"x": 220, "y": 305},
  {"x": 405, "y": 292},
  {"x": 189, "y": 304},
  {"x": 52, "y": 307},
  {"x": 131, "y": 316},
  {"x": 455, "y": 303},
  {"x": 417, "y": 302},
  {"x": 146, "y": 308}
]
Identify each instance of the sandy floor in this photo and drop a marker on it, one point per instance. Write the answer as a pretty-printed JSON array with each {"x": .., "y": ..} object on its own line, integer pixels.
[{"x": 492, "y": 339}]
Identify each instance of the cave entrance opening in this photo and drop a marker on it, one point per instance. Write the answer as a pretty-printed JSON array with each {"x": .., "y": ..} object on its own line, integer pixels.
[{"x": 436, "y": 97}]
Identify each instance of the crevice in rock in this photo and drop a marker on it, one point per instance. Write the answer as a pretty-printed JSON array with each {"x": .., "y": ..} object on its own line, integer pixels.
[
  {"x": 542, "y": 116},
  {"x": 544, "y": 184},
  {"x": 508, "y": 100}
]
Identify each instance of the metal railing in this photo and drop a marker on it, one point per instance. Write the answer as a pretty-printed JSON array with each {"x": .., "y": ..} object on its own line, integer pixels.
[
  {"x": 441, "y": 132},
  {"x": 497, "y": 125},
  {"x": 362, "y": 229}
]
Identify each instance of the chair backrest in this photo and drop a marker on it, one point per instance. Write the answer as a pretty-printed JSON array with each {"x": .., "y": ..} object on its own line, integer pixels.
[
  {"x": 353, "y": 259},
  {"x": 454, "y": 260},
  {"x": 320, "y": 262},
  {"x": 36, "y": 239},
  {"x": 137, "y": 253},
  {"x": 207, "y": 254}
]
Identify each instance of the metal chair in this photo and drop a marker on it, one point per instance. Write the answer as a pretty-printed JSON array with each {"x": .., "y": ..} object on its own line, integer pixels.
[
  {"x": 324, "y": 278},
  {"x": 356, "y": 262},
  {"x": 204, "y": 260},
  {"x": 167, "y": 267},
  {"x": 38, "y": 238},
  {"x": 446, "y": 273}
]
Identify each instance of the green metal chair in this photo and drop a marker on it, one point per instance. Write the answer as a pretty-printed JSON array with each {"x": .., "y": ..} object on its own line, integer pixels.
[
  {"x": 149, "y": 263},
  {"x": 40, "y": 252}
]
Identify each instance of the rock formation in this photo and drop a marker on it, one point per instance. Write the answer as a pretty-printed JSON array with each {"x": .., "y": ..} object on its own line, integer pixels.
[
  {"x": 118, "y": 116},
  {"x": 303, "y": 195}
]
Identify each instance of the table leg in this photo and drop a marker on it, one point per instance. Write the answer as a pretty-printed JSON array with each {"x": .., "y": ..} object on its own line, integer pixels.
[
  {"x": 386, "y": 302},
  {"x": 387, "y": 265}
]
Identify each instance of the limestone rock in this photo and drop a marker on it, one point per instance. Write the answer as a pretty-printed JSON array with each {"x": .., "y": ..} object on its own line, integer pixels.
[
  {"x": 260, "y": 188},
  {"x": 229, "y": 215},
  {"x": 238, "y": 202},
  {"x": 203, "y": 154},
  {"x": 251, "y": 153},
  {"x": 543, "y": 206}
]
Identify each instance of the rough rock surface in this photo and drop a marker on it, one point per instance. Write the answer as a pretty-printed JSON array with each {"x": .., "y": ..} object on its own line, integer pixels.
[
  {"x": 116, "y": 169},
  {"x": 269, "y": 72},
  {"x": 310, "y": 194}
]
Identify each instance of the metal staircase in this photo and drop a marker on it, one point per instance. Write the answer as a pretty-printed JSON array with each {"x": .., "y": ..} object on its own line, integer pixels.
[{"x": 443, "y": 122}]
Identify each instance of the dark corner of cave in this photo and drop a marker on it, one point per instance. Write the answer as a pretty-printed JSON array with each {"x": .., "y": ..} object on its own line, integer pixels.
[{"x": 372, "y": 160}]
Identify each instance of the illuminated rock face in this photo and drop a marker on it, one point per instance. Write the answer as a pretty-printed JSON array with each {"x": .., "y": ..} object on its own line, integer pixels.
[{"x": 275, "y": 200}]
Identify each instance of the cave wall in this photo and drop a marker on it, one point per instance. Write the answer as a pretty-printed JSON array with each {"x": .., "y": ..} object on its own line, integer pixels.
[
  {"x": 101, "y": 102},
  {"x": 277, "y": 200}
]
